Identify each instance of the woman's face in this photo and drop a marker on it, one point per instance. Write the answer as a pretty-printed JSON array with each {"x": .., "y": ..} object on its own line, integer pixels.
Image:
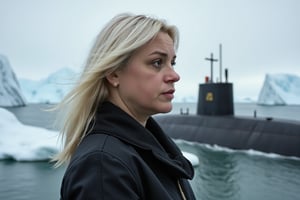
[{"x": 146, "y": 84}]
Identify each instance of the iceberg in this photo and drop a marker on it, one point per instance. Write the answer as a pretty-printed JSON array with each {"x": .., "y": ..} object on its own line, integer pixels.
[
  {"x": 10, "y": 91},
  {"x": 280, "y": 89},
  {"x": 20, "y": 142},
  {"x": 51, "y": 89}
]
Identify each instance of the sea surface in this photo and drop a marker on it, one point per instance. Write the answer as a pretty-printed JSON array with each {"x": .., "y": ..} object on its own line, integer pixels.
[{"x": 222, "y": 173}]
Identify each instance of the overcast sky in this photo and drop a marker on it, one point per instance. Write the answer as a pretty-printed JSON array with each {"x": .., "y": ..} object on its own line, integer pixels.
[{"x": 258, "y": 36}]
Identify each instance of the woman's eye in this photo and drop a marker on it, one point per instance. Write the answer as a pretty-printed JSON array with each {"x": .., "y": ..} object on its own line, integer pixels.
[
  {"x": 157, "y": 63},
  {"x": 173, "y": 63}
]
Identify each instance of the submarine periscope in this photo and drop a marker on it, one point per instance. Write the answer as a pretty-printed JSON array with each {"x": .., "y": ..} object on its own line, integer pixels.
[{"x": 215, "y": 123}]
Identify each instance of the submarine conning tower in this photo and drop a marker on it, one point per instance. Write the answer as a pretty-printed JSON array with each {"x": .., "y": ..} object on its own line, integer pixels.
[{"x": 215, "y": 98}]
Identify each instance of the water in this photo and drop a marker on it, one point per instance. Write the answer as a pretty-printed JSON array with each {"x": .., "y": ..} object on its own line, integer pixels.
[
  {"x": 29, "y": 180},
  {"x": 222, "y": 174},
  {"x": 240, "y": 175}
]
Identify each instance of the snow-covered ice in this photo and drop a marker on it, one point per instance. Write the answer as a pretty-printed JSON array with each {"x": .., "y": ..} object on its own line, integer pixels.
[
  {"x": 10, "y": 92},
  {"x": 51, "y": 89},
  {"x": 280, "y": 89},
  {"x": 25, "y": 143}
]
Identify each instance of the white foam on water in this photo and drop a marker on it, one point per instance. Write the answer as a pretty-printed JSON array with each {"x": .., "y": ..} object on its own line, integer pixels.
[{"x": 250, "y": 152}]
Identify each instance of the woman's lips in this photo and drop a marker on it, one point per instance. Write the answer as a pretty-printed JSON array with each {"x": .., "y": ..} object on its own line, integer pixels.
[{"x": 169, "y": 94}]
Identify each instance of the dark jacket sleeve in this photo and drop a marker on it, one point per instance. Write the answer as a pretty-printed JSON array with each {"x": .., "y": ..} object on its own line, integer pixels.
[{"x": 99, "y": 176}]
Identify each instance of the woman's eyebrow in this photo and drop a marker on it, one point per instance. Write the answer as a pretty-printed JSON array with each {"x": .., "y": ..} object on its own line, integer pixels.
[{"x": 161, "y": 53}]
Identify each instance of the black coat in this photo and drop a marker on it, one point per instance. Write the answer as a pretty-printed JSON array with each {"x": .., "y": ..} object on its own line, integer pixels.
[{"x": 120, "y": 159}]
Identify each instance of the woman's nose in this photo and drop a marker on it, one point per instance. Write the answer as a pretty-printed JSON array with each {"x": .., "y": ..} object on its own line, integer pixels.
[{"x": 172, "y": 75}]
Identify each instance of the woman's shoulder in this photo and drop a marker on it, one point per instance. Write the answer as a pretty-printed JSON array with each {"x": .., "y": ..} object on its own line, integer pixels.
[
  {"x": 101, "y": 157},
  {"x": 104, "y": 146}
]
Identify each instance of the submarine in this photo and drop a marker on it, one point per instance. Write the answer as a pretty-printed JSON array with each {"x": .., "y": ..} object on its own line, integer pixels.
[{"x": 215, "y": 123}]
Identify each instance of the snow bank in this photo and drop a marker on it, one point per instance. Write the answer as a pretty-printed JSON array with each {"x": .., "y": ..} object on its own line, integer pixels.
[{"x": 25, "y": 143}]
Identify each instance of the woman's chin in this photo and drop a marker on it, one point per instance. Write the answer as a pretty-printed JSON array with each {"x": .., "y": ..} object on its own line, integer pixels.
[{"x": 166, "y": 108}]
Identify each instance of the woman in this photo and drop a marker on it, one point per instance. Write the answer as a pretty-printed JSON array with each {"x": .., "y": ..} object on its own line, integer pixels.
[{"x": 114, "y": 148}]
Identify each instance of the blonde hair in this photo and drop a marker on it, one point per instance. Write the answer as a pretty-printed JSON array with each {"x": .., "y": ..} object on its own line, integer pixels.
[{"x": 114, "y": 45}]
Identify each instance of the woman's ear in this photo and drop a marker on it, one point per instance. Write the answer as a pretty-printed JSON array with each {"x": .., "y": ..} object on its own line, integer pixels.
[{"x": 113, "y": 79}]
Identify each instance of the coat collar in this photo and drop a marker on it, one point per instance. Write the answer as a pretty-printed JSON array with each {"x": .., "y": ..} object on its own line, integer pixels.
[{"x": 113, "y": 121}]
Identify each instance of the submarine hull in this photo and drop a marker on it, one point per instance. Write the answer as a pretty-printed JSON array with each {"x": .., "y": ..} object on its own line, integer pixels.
[{"x": 268, "y": 136}]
